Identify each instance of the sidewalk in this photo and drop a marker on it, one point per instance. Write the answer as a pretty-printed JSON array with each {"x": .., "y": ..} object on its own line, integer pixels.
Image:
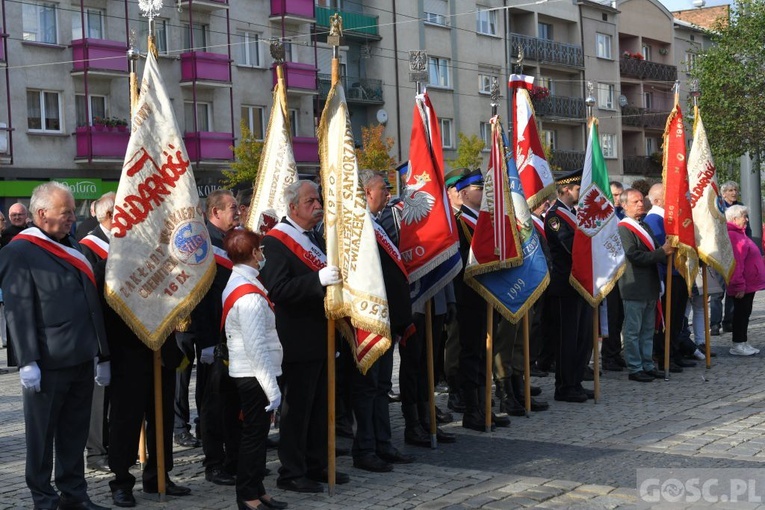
[{"x": 572, "y": 456}]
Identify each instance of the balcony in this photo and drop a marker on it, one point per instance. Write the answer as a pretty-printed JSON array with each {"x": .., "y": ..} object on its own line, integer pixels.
[
  {"x": 546, "y": 51},
  {"x": 356, "y": 26},
  {"x": 101, "y": 144},
  {"x": 567, "y": 160},
  {"x": 207, "y": 146},
  {"x": 299, "y": 78},
  {"x": 360, "y": 91},
  {"x": 201, "y": 5},
  {"x": 634, "y": 116},
  {"x": 210, "y": 69},
  {"x": 294, "y": 12},
  {"x": 99, "y": 56},
  {"x": 644, "y": 70},
  {"x": 560, "y": 107},
  {"x": 306, "y": 149},
  {"x": 641, "y": 165}
]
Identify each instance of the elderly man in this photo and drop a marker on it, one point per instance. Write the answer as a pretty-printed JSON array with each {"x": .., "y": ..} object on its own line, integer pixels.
[
  {"x": 57, "y": 330},
  {"x": 18, "y": 215},
  {"x": 296, "y": 277}
]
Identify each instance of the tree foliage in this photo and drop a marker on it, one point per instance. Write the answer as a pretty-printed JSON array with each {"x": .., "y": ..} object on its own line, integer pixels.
[
  {"x": 247, "y": 153},
  {"x": 731, "y": 76},
  {"x": 469, "y": 149},
  {"x": 374, "y": 153}
]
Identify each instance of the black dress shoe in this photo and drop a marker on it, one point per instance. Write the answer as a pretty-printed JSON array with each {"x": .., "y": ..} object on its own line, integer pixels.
[
  {"x": 170, "y": 490},
  {"x": 219, "y": 477},
  {"x": 80, "y": 505},
  {"x": 443, "y": 416},
  {"x": 275, "y": 503},
  {"x": 684, "y": 363},
  {"x": 475, "y": 421},
  {"x": 187, "y": 440},
  {"x": 612, "y": 366},
  {"x": 500, "y": 420},
  {"x": 323, "y": 477},
  {"x": 536, "y": 405},
  {"x": 373, "y": 463},
  {"x": 640, "y": 377},
  {"x": 535, "y": 390},
  {"x": 455, "y": 402},
  {"x": 301, "y": 484},
  {"x": 590, "y": 394},
  {"x": 123, "y": 498},
  {"x": 655, "y": 373},
  {"x": 393, "y": 397},
  {"x": 445, "y": 437},
  {"x": 392, "y": 455},
  {"x": 570, "y": 396}
]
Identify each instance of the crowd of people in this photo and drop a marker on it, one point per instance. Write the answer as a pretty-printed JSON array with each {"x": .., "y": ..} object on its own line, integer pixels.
[{"x": 258, "y": 338}]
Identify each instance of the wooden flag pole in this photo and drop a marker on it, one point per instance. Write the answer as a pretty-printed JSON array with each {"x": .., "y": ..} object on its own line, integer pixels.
[
  {"x": 668, "y": 314},
  {"x": 431, "y": 377},
  {"x": 489, "y": 358},
  {"x": 705, "y": 294},
  {"x": 526, "y": 365},
  {"x": 596, "y": 353},
  {"x": 159, "y": 425}
]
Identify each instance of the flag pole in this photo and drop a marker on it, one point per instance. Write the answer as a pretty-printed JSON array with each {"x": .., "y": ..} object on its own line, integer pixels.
[
  {"x": 590, "y": 102},
  {"x": 705, "y": 294},
  {"x": 668, "y": 314},
  {"x": 431, "y": 378},
  {"x": 526, "y": 365},
  {"x": 489, "y": 359}
]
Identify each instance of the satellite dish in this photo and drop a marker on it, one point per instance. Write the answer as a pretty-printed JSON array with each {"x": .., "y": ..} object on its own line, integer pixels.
[
  {"x": 623, "y": 101},
  {"x": 382, "y": 116},
  {"x": 699, "y": 3}
]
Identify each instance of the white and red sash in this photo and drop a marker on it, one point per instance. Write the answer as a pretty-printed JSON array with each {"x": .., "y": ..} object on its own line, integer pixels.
[
  {"x": 470, "y": 220},
  {"x": 567, "y": 216},
  {"x": 96, "y": 245},
  {"x": 540, "y": 226},
  {"x": 65, "y": 253},
  {"x": 300, "y": 245},
  {"x": 221, "y": 258},
  {"x": 235, "y": 289},
  {"x": 639, "y": 231},
  {"x": 384, "y": 241}
]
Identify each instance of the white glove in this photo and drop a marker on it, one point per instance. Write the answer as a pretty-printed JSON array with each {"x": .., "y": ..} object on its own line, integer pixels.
[
  {"x": 30, "y": 376},
  {"x": 329, "y": 275},
  {"x": 104, "y": 373},
  {"x": 274, "y": 404},
  {"x": 207, "y": 356}
]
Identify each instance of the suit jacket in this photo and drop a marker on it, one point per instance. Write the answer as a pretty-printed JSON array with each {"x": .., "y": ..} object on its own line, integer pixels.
[
  {"x": 464, "y": 295},
  {"x": 298, "y": 298},
  {"x": 396, "y": 285},
  {"x": 640, "y": 281},
  {"x": 53, "y": 310},
  {"x": 560, "y": 241}
]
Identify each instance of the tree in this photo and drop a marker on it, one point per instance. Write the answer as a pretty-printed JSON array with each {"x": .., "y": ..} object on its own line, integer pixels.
[
  {"x": 244, "y": 169},
  {"x": 374, "y": 153},
  {"x": 731, "y": 76},
  {"x": 469, "y": 151}
]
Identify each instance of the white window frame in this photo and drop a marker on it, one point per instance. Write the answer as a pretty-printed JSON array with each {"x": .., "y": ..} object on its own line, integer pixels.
[
  {"x": 91, "y": 109},
  {"x": 160, "y": 35},
  {"x": 604, "y": 46},
  {"x": 646, "y": 50},
  {"x": 437, "y": 18},
  {"x": 650, "y": 145},
  {"x": 440, "y": 68},
  {"x": 549, "y": 138},
  {"x": 648, "y": 100},
  {"x": 690, "y": 61},
  {"x": 486, "y": 22},
  {"x": 294, "y": 115},
  {"x": 484, "y": 82},
  {"x": 608, "y": 143},
  {"x": 202, "y": 29},
  {"x": 248, "y": 54},
  {"x": 205, "y": 109},
  {"x": 447, "y": 133},
  {"x": 33, "y": 16},
  {"x": 41, "y": 95},
  {"x": 90, "y": 15},
  {"x": 606, "y": 95},
  {"x": 548, "y": 28},
  {"x": 484, "y": 131},
  {"x": 251, "y": 113}
]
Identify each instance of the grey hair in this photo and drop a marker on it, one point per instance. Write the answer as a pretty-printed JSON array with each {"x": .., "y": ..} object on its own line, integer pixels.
[
  {"x": 293, "y": 191},
  {"x": 215, "y": 199},
  {"x": 104, "y": 205},
  {"x": 736, "y": 211},
  {"x": 625, "y": 196},
  {"x": 367, "y": 176},
  {"x": 42, "y": 196},
  {"x": 729, "y": 185}
]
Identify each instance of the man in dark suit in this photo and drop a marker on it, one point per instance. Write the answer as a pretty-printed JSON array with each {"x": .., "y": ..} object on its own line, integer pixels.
[
  {"x": 57, "y": 330},
  {"x": 132, "y": 385},
  {"x": 296, "y": 277}
]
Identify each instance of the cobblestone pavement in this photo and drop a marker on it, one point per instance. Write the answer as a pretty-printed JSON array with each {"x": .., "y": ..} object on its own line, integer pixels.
[{"x": 572, "y": 456}]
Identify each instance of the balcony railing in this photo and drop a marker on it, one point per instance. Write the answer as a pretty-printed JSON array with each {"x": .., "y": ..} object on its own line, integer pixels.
[
  {"x": 300, "y": 9},
  {"x": 357, "y": 90},
  {"x": 205, "y": 145},
  {"x": 203, "y": 66},
  {"x": 355, "y": 25},
  {"x": 202, "y": 5},
  {"x": 567, "y": 160},
  {"x": 99, "y": 55},
  {"x": 643, "y": 118},
  {"x": 306, "y": 149},
  {"x": 547, "y": 51},
  {"x": 641, "y": 165},
  {"x": 94, "y": 143},
  {"x": 560, "y": 106},
  {"x": 298, "y": 77},
  {"x": 646, "y": 70}
]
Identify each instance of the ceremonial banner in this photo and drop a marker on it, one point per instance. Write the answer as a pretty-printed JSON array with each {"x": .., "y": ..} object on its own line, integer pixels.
[
  {"x": 350, "y": 234},
  {"x": 496, "y": 245},
  {"x": 533, "y": 169},
  {"x": 161, "y": 260},
  {"x": 709, "y": 222},
  {"x": 277, "y": 169},
  {"x": 597, "y": 254},
  {"x": 678, "y": 217},
  {"x": 428, "y": 239}
]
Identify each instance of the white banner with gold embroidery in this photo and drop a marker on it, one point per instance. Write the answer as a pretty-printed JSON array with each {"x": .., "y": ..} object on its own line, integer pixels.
[{"x": 160, "y": 260}]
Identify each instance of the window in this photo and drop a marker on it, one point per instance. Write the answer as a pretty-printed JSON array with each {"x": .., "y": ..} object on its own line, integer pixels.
[
  {"x": 608, "y": 145},
  {"x": 484, "y": 83},
  {"x": 39, "y": 22},
  {"x": 548, "y": 83},
  {"x": 248, "y": 51},
  {"x": 648, "y": 100},
  {"x": 646, "y": 51},
  {"x": 94, "y": 24},
  {"x": 332, "y": 4},
  {"x": 288, "y": 50},
  {"x": 293, "y": 122},
  {"x": 160, "y": 35},
  {"x": 545, "y": 31},
  {"x": 253, "y": 117},
  {"x": 43, "y": 111},
  {"x": 605, "y": 96},
  {"x": 650, "y": 146},
  {"x": 690, "y": 62},
  {"x": 603, "y": 46},
  {"x": 203, "y": 117},
  {"x": 549, "y": 138},
  {"x": 486, "y": 22},
  {"x": 97, "y": 109},
  {"x": 436, "y": 11},
  {"x": 439, "y": 70},
  {"x": 195, "y": 37},
  {"x": 484, "y": 129},
  {"x": 447, "y": 137}
]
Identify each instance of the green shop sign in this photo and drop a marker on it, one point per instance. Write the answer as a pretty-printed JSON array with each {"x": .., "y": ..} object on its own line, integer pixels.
[{"x": 81, "y": 188}]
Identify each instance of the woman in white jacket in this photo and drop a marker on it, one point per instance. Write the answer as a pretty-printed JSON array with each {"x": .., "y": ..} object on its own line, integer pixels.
[{"x": 255, "y": 361}]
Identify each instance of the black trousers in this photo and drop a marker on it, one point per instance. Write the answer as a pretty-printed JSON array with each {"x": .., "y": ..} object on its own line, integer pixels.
[
  {"x": 413, "y": 370},
  {"x": 60, "y": 414},
  {"x": 612, "y": 344},
  {"x": 572, "y": 319},
  {"x": 219, "y": 419},
  {"x": 132, "y": 401},
  {"x": 679, "y": 300},
  {"x": 370, "y": 405},
  {"x": 303, "y": 424},
  {"x": 543, "y": 333},
  {"x": 742, "y": 310},
  {"x": 185, "y": 343},
  {"x": 472, "y": 346},
  {"x": 252, "y": 448}
]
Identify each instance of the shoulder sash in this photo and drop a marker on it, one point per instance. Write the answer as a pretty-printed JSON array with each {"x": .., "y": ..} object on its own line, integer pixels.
[
  {"x": 639, "y": 231},
  {"x": 221, "y": 258},
  {"x": 539, "y": 225},
  {"x": 65, "y": 253},
  {"x": 235, "y": 289},
  {"x": 567, "y": 216},
  {"x": 96, "y": 245},
  {"x": 308, "y": 253},
  {"x": 384, "y": 241}
]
